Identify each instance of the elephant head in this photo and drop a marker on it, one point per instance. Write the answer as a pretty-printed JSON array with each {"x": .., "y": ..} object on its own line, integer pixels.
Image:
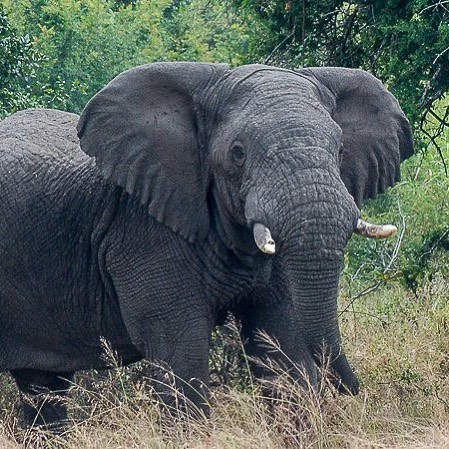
[{"x": 267, "y": 159}]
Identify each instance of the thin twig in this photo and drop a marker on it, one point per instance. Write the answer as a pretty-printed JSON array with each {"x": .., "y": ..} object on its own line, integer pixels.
[
  {"x": 441, "y": 120},
  {"x": 438, "y": 148},
  {"x": 275, "y": 49},
  {"x": 439, "y": 55},
  {"x": 435, "y": 245},
  {"x": 440, "y": 3},
  {"x": 349, "y": 24},
  {"x": 303, "y": 31},
  {"x": 365, "y": 292}
]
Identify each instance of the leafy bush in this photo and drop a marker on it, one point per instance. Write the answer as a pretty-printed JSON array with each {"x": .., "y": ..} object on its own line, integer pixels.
[
  {"x": 19, "y": 61},
  {"x": 208, "y": 31},
  {"x": 88, "y": 42},
  {"x": 419, "y": 205},
  {"x": 384, "y": 37},
  {"x": 21, "y": 85}
]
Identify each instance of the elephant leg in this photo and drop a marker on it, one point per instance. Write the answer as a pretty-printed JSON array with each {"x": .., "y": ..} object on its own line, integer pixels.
[
  {"x": 184, "y": 385},
  {"x": 179, "y": 353},
  {"x": 42, "y": 394},
  {"x": 168, "y": 318}
]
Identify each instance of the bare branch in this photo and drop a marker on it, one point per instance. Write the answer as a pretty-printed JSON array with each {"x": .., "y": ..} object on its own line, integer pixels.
[
  {"x": 433, "y": 138},
  {"x": 275, "y": 49},
  {"x": 441, "y": 120},
  {"x": 434, "y": 6},
  {"x": 439, "y": 55},
  {"x": 349, "y": 24},
  {"x": 435, "y": 245}
]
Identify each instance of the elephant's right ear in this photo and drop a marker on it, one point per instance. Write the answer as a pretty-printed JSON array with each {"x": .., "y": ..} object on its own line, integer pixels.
[{"x": 144, "y": 131}]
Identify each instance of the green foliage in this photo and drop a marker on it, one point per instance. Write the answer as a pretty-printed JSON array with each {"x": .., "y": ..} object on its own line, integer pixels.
[
  {"x": 88, "y": 42},
  {"x": 419, "y": 206},
  {"x": 403, "y": 43},
  {"x": 19, "y": 61},
  {"x": 206, "y": 30}
]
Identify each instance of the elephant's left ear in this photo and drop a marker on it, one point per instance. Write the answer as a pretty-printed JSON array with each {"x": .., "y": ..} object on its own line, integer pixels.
[{"x": 377, "y": 136}]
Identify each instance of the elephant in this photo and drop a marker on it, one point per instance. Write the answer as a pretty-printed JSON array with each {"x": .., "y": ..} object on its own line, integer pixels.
[{"x": 183, "y": 192}]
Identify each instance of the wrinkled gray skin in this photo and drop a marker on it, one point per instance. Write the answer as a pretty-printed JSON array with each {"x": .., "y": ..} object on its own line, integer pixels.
[{"x": 147, "y": 239}]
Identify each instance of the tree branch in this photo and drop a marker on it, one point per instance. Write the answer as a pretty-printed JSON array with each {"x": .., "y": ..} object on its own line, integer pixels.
[{"x": 275, "y": 49}]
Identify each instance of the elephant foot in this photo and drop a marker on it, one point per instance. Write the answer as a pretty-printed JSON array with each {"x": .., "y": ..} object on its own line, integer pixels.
[
  {"x": 179, "y": 398},
  {"x": 343, "y": 377},
  {"x": 43, "y": 398}
]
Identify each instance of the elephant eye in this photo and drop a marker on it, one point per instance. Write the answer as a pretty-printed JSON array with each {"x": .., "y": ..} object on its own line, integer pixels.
[{"x": 238, "y": 154}]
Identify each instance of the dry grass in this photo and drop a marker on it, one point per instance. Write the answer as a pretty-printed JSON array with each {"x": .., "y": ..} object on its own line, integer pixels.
[{"x": 399, "y": 343}]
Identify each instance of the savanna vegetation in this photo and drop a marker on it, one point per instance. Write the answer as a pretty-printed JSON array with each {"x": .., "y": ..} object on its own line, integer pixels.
[{"x": 394, "y": 298}]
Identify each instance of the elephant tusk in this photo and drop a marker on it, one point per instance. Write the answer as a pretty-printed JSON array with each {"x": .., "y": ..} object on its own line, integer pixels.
[
  {"x": 263, "y": 239},
  {"x": 374, "y": 231}
]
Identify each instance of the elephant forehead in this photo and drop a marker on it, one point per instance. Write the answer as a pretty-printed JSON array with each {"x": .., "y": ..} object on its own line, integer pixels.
[
  {"x": 283, "y": 102},
  {"x": 265, "y": 85},
  {"x": 280, "y": 94},
  {"x": 284, "y": 130}
]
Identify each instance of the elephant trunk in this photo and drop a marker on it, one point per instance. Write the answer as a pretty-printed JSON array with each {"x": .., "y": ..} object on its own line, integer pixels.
[
  {"x": 310, "y": 230},
  {"x": 314, "y": 287}
]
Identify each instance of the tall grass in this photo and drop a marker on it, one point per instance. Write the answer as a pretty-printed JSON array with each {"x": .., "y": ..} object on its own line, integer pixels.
[
  {"x": 395, "y": 323},
  {"x": 397, "y": 340}
]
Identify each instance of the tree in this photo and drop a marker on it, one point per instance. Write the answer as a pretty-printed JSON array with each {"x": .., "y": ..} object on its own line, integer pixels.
[
  {"x": 206, "y": 30},
  {"x": 88, "y": 42},
  {"x": 16, "y": 70},
  {"x": 404, "y": 43}
]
